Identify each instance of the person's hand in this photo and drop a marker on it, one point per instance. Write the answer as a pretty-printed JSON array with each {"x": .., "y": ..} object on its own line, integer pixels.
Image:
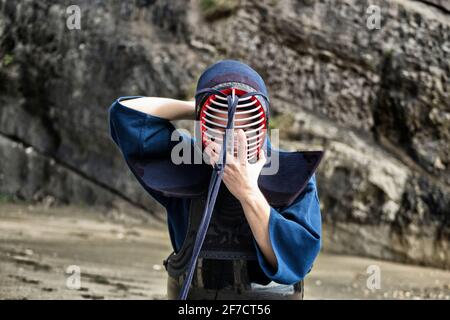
[{"x": 240, "y": 176}]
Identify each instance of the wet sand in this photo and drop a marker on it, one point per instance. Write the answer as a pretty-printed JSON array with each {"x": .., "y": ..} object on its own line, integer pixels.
[{"x": 122, "y": 259}]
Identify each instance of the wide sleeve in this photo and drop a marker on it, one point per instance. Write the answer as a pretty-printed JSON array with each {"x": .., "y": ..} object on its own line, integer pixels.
[
  {"x": 139, "y": 135},
  {"x": 295, "y": 235}
]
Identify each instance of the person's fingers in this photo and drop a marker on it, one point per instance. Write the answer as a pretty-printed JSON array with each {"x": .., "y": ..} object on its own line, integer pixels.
[
  {"x": 261, "y": 158},
  {"x": 261, "y": 155},
  {"x": 214, "y": 144},
  {"x": 214, "y": 159},
  {"x": 208, "y": 149},
  {"x": 230, "y": 161},
  {"x": 242, "y": 147},
  {"x": 211, "y": 153}
]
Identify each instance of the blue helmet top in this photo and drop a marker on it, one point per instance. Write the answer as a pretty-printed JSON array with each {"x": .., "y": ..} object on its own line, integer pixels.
[{"x": 225, "y": 71}]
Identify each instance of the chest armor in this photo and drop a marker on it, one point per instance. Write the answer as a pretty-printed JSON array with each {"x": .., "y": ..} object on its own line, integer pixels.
[{"x": 228, "y": 237}]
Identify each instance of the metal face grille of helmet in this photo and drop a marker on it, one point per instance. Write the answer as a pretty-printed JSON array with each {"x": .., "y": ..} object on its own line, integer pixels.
[{"x": 250, "y": 116}]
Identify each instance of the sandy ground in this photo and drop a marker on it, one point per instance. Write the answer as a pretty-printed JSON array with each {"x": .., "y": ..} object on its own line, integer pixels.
[{"x": 120, "y": 259}]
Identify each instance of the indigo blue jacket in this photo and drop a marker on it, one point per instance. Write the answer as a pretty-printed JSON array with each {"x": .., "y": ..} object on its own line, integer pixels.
[{"x": 295, "y": 231}]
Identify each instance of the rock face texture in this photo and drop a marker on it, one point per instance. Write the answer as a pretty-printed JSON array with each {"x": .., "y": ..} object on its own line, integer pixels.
[{"x": 377, "y": 100}]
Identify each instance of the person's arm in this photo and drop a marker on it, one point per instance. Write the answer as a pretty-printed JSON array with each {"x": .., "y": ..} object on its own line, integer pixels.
[
  {"x": 257, "y": 211},
  {"x": 166, "y": 108},
  {"x": 140, "y": 127},
  {"x": 287, "y": 240},
  {"x": 295, "y": 237}
]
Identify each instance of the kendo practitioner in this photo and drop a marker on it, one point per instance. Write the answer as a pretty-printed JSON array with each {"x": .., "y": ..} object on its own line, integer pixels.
[{"x": 236, "y": 232}]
